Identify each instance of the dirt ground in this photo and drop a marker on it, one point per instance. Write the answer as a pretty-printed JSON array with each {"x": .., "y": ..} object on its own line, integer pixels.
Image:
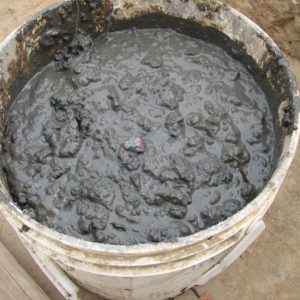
[{"x": 269, "y": 269}]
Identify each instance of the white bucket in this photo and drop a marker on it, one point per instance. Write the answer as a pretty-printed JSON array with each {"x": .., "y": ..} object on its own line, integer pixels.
[{"x": 162, "y": 270}]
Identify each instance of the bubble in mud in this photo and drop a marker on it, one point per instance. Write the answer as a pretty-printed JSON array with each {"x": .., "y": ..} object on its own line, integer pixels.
[
  {"x": 84, "y": 225},
  {"x": 215, "y": 197},
  {"x": 154, "y": 61},
  {"x": 248, "y": 191},
  {"x": 193, "y": 119},
  {"x": 194, "y": 145},
  {"x": 128, "y": 159},
  {"x": 211, "y": 216},
  {"x": 177, "y": 212},
  {"x": 230, "y": 207},
  {"x": 174, "y": 123},
  {"x": 118, "y": 226},
  {"x": 154, "y": 234},
  {"x": 234, "y": 155},
  {"x": 100, "y": 236}
]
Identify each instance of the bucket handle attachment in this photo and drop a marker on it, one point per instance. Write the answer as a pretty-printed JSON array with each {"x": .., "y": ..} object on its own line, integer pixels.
[{"x": 67, "y": 288}]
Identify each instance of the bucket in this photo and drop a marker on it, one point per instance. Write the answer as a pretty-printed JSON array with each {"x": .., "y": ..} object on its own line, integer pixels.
[{"x": 166, "y": 269}]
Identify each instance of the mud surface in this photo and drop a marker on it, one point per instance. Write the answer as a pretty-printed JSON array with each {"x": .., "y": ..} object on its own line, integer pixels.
[{"x": 205, "y": 124}]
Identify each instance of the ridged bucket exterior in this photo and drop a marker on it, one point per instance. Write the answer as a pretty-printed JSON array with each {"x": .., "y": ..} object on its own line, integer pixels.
[{"x": 162, "y": 270}]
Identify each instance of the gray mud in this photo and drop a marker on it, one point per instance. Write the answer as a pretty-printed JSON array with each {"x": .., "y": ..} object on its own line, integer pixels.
[{"x": 206, "y": 126}]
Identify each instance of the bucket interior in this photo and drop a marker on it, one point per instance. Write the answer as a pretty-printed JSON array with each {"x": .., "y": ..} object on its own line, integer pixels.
[{"x": 34, "y": 45}]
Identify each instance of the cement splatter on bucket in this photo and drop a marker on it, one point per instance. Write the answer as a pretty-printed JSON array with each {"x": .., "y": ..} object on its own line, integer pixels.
[{"x": 185, "y": 261}]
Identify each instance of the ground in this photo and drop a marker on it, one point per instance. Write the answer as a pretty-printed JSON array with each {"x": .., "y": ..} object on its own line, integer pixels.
[{"x": 270, "y": 268}]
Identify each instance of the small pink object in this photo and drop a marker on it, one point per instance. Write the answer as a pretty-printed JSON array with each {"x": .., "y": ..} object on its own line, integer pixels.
[{"x": 135, "y": 145}]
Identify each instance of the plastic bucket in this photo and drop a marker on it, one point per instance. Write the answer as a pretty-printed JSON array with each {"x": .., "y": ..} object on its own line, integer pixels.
[{"x": 162, "y": 270}]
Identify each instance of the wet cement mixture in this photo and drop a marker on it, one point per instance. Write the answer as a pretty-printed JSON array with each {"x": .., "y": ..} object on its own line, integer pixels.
[{"x": 139, "y": 136}]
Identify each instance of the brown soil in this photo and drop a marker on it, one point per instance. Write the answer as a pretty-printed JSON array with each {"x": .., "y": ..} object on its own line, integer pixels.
[
  {"x": 280, "y": 19},
  {"x": 270, "y": 269}
]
